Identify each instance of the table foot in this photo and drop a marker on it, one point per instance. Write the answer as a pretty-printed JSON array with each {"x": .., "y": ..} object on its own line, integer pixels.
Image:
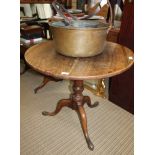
[
  {"x": 90, "y": 144},
  {"x": 60, "y": 105},
  {"x": 88, "y": 101},
  {"x": 83, "y": 120}
]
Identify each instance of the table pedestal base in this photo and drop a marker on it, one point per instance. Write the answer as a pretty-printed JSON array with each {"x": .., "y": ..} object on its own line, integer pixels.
[{"x": 76, "y": 102}]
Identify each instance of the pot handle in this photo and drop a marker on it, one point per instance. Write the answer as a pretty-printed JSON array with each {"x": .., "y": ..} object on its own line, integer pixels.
[
  {"x": 57, "y": 6},
  {"x": 111, "y": 14},
  {"x": 91, "y": 14},
  {"x": 95, "y": 12}
]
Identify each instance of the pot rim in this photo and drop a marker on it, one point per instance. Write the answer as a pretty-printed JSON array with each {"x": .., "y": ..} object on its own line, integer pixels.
[{"x": 53, "y": 24}]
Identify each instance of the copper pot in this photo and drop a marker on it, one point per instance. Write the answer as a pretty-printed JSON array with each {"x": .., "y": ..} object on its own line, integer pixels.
[{"x": 79, "y": 38}]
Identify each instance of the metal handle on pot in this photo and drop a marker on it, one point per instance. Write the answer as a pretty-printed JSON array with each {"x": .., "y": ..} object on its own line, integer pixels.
[
  {"x": 111, "y": 13},
  {"x": 58, "y": 8},
  {"x": 91, "y": 14},
  {"x": 95, "y": 12}
]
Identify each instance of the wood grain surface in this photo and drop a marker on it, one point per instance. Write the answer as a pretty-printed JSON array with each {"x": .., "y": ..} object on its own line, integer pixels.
[{"x": 114, "y": 60}]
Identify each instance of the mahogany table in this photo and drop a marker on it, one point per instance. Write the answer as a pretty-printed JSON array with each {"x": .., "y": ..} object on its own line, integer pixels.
[{"x": 114, "y": 60}]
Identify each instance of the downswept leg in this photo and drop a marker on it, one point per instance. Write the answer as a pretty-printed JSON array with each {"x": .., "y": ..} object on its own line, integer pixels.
[
  {"x": 88, "y": 101},
  {"x": 83, "y": 120},
  {"x": 45, "y": 81},
  {"x": 60, "y": 105}
]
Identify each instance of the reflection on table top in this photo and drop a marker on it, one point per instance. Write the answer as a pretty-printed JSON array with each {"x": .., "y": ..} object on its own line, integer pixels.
[{"x": 114, "y": 60}]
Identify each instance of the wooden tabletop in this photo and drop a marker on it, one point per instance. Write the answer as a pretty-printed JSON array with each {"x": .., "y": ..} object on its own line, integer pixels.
[{"x": 114, "y": 60}]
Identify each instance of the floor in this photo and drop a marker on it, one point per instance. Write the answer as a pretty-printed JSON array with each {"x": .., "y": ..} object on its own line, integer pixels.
[{"x": 110, "y": 127}]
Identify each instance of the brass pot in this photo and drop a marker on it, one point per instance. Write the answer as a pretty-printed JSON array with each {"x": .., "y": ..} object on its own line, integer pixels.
[
  {"x": 78, "y": 41},
  {"x": 79, "y": 38}
]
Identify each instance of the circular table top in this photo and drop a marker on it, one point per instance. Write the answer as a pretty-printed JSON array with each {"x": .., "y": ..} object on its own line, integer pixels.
[{"x": 114, "y": 60}]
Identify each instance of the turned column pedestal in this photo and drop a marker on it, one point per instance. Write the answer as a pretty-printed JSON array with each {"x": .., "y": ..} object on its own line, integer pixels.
[{"x": 76, "y": 102}]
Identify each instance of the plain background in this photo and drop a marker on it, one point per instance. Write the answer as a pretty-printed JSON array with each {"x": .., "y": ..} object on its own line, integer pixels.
[{"x": 144, "y": 77}]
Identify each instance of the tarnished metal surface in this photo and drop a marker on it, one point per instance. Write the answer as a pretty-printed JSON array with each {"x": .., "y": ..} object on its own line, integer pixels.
[{"x": 79, "y": 41}]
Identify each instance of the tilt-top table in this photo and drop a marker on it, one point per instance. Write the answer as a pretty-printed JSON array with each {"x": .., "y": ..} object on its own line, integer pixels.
[{"x": 114, "y": 60}]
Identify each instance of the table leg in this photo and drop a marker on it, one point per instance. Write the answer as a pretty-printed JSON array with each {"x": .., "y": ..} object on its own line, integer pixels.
[
  {"x": 44, "y": 82},
  {"x": 76, "y": 102},
  {"x": 60, "y": 105},
  {"x": 88, "y": 101},
  {"x": 83, "y": 120}
]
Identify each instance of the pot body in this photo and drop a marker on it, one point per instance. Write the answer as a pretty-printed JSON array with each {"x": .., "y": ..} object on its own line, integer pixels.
[{"x": 79, "y": 42}]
